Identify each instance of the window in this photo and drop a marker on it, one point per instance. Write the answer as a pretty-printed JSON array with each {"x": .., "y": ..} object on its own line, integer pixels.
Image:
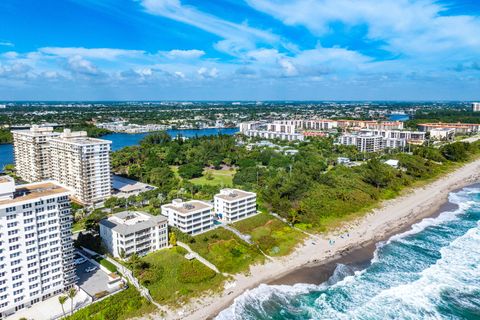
[
  {"x": 27, "y": 205},
  {"x": 11, "y": 209}
]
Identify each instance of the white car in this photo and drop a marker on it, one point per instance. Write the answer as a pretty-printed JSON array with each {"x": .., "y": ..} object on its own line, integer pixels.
[
  {"x": 79, "y": 260},
  {"x": 90, "y": 269}
]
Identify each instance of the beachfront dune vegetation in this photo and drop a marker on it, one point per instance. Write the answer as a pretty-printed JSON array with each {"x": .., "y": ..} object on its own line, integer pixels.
[
  {"x": 126, "y": 304},
  {"x": 172, "y": 279}
]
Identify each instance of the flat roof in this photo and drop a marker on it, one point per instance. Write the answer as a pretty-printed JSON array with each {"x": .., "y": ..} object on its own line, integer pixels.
[
  {"x": 126, "y": 185},
  {"x": 189, "y": 206},
  {"x": 83, "y": 141},
  {"x": 127, "y": 222},
  {"x": 4, "y": 179},
  {"x": 33, "y": 191},
  {"x": 233, "y": 194}
]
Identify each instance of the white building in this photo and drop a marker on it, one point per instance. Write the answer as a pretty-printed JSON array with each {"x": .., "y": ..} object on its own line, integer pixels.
[
  {"x": 234, "y": 204},
  {"x": 397, "y": 134},
  {"x": 442, "y": 133},
  {"x": 36, "y": 243},
  {"x": 191, "y": 217},
  {"x": 32, "y": 156},
  {"x": 129, "y": 232},
  {"x": 83, "y": 164},
  {"x": 274, "y": 130},
  {"x": 476, "y": 107},
  {"x": 363, "y": 142}
]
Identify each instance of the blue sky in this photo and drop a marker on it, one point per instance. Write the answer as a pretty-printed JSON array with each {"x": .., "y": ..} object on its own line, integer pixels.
[{"x": 239, "y": 50}]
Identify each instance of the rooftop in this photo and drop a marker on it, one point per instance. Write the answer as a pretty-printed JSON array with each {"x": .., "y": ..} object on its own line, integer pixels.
[
  {"x": 127, "y": 222},
  {"x": 233, "y": 194},
  {"x": 187, "y": 207},
  {"x": 33, "y": 191},
  {"x": 78, "y": 138}
]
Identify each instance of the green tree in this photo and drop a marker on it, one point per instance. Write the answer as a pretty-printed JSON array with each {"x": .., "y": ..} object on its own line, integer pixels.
[
  {"x": 191, "y": 170},
  {"x": 173, "y": 239},
  {"x": 62, "y": 300},
  {"x": 72, "y": 292}
]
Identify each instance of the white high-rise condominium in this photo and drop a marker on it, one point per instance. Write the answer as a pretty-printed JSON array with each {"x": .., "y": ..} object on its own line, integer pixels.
[
  {"x": 32, "y": 152},
  {"x": 83, "y": 164},
  {"x": 36, "y": 251},
  {"x": 476, "y": 107}
]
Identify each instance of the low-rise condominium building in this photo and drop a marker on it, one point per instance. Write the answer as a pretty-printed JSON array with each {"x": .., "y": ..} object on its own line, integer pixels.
[
  {"x": 133, "y": 232},
  {"x": 36, "y": 253},
  {"x": 83, "y": 164},
  {"x": 274, "y": 130},
  {"x": 191, "y": 217},
  {"x": 32, "y": 153},
  {"x": 460, "y": 128},
  {"x": 234, "y": 204}
]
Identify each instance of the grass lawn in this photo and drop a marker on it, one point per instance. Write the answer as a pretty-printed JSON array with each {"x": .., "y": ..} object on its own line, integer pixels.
[
  {"x": 123, "y": 305},
  {"x": 217, "y": 178},
  {"x": 107, "y": 264},
  {"x": 173, "y": 280},
  {"x": 226, "y": 251},
  {"x": 273, "y": 236}
]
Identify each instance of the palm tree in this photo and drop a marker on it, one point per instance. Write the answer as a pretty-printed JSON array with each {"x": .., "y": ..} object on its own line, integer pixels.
[
  {"x": 62, "y": 300},
  {"x": 71, "y": 294}
]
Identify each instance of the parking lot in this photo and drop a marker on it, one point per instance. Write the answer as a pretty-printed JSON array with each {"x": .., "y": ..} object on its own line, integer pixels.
[{"x": 91, "y": 282}]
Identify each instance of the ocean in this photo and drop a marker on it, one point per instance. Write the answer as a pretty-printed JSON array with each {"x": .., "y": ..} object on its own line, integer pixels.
[{"x": 431, "y": 271}]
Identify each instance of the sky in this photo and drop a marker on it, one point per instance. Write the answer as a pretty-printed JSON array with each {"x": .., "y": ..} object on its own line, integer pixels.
[{"x": 239, "y": 50}]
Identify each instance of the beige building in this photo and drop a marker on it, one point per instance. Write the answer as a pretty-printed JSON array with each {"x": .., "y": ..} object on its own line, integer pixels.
[
  {"x": 31, "y": 151},
  {"x": 83, "y": 164}
]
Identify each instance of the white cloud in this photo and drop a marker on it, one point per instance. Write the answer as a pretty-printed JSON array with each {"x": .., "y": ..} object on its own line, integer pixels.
[
  {"x": 92, "y": 53},
  {"x": 236, "y": 37},
  {"x": 6, "y": 44},
  {"x": 185, "y": 54},
  {"x": 78, "y": 65},
  {"x": 208, "y": 73},
  {"x": 406, "y": 26}
]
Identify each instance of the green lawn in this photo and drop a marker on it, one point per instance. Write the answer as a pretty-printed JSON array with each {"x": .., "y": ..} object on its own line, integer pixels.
[
  {"x": 211, "y": 177},
  {"x": 121, "y": 306},
  {"x": 107, "y": 264},
  {"x": 273, "y": 236},
  {"x": 214, "y": 177},
  {"x": 174, "y": 280},
  {"x": 226, "y": 251}
]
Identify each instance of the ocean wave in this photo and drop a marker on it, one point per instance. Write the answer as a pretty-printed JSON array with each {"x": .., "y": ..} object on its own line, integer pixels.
[{"x": 429, "y": 272}]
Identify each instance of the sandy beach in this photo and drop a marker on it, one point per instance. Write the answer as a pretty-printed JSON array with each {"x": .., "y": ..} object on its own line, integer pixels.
[{"x": 313, "y": 261}]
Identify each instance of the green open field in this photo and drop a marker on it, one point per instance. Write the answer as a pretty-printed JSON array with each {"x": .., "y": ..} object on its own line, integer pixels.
[
  {"x": 173, "y": 280},
  {"x": 211, "y": 177},
  {"x": 214, "y": 177},
  {"x": 273, "y": 236},
  {"x": 226, "y": 251}
]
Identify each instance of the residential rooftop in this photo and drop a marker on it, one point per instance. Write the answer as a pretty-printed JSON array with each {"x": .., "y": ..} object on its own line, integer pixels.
[
  {"x": 127, "y": 222},
  {"x": 34, "y": 191},
  {"x": 233, "y": 194},
  {"x": 188, "y": 207}
]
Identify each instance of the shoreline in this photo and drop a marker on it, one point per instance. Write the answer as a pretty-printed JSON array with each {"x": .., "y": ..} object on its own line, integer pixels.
[{"x": 315, "y": 260}]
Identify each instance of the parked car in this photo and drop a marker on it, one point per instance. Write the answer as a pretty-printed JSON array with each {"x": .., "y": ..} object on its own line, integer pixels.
[
  {"x": 79, "y": 260},
  {"x": 90, "y": 269}
]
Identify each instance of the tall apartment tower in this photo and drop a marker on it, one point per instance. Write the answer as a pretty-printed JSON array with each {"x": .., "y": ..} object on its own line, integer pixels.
[
  {"x": 83, "y": 164},
  {"x": 36, "y": 247},
  {"x": 32, "y": 152},
  {"x": 476, "y": 107}
]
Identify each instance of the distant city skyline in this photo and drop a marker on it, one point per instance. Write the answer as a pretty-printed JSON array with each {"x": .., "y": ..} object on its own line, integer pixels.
[{"x": 246, "y": 50}]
